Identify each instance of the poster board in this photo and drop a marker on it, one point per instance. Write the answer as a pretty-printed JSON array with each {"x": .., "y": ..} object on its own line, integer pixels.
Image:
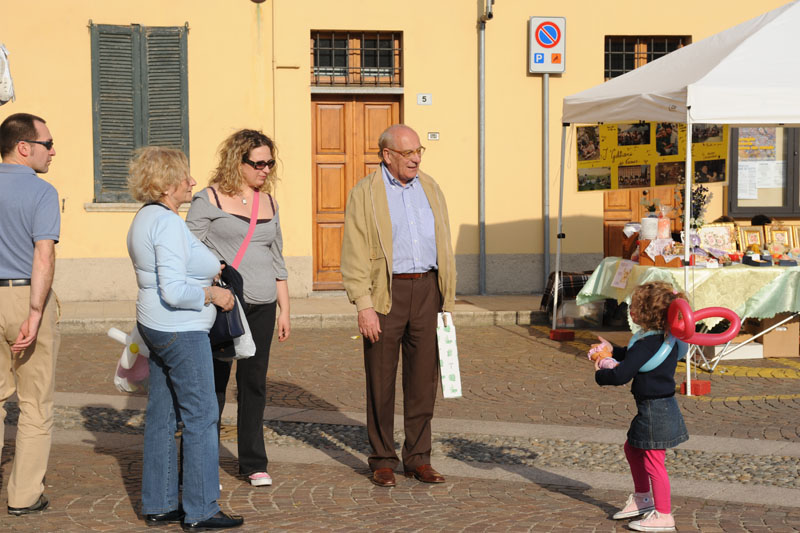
[{"x": 648, "y": 154}]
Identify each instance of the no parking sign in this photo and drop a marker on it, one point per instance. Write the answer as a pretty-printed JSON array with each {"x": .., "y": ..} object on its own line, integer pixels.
[{"x": 546, "y": 45}]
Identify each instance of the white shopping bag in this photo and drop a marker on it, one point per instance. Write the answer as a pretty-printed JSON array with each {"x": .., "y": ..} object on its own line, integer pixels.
[
  {"x": 448, "y": 356},
  {"x": 244, "y": 345},
  {"x": 6, "y": 83}
]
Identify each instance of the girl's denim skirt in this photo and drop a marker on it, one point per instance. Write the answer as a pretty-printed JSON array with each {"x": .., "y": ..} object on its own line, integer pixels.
[{"x": 658, "y": 425}]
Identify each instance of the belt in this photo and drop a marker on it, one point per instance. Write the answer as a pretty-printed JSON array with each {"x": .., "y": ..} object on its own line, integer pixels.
[
  {"x": 14, "y": 282},
  {"x": 414, "y": 275}
]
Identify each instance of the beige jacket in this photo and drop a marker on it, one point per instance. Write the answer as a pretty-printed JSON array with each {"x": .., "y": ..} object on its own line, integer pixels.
[{"x": 367, "y": 244}]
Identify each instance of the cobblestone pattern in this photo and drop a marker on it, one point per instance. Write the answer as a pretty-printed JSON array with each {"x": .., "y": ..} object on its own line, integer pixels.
[
  {"x": 509, "y": 373},
  {"x": 778, "y": 471},
  {"x": 97, "y": 489}
]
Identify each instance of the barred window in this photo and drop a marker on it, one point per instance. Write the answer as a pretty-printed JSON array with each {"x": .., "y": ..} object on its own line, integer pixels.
[
  {"x": 356, "y": 58},
  {"x": 623, "y": 54}
]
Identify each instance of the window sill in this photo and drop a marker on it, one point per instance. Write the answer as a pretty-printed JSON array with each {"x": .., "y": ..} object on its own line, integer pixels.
[
  {"x": 355, "y": 89},
  {"x": 120, "y": 207}
]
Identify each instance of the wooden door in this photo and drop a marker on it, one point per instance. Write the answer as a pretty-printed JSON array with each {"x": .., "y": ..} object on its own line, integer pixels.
[
  {"x": 345, "y": 132},
  {"x": 623, "y": 206}
]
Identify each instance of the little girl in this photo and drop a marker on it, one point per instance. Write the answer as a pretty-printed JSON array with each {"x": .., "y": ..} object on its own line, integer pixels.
[{"x": 658, "y": 424}]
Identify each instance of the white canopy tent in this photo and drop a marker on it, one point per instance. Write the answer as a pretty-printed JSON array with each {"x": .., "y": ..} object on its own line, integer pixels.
[{"x": 747, "y": 74}]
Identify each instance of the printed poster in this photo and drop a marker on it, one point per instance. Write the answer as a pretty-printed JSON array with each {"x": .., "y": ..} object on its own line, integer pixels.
[
  {"x": 758, "y": 162},
  {"x": 648, "y": 154}
]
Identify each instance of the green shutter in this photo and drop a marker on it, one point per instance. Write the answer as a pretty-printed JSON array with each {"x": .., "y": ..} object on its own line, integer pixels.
[
  {"x": 115, "y": 100},
  {"x": 165, "y": 94},
  {"x": 140, "y": 98}
]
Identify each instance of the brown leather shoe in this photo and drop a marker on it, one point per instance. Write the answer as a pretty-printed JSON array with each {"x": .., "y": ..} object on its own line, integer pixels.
[
  {"x": 383, "y": 477},
  {"x": 426, "y": 474}
]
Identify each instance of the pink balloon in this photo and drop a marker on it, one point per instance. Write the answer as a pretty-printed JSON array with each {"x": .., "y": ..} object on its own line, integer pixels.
[{"x": 682, "y": 321}]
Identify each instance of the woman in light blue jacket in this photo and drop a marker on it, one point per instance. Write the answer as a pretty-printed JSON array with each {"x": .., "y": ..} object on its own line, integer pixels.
[{"x": 175, "y": 309}]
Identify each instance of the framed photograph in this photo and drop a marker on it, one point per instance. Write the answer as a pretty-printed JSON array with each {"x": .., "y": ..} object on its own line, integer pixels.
[
  {"x": 796, "y": 235},
  {"x": 780, "y": 234},
  {"x": 718, "y": 237},
  {"x": 749, "y": 235}
]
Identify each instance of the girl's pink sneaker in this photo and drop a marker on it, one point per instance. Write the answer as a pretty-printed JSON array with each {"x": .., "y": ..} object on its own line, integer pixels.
[
  {"x": 636, "y": 506},
  {"x": 654, "y": 521}
]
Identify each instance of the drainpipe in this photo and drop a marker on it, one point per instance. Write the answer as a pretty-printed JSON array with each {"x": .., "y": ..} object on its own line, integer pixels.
[{"x": 488, "y": 15}]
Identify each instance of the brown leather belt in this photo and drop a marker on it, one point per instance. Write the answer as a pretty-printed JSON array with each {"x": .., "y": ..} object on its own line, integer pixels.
[
  {"x": 14, "y": 282},
  {"x": 414, "y": 275}
]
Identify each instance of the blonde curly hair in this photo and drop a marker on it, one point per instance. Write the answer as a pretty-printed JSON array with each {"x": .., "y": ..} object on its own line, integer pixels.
[
  {"x": 153, "y": 170},
  {"x": 228, "y": 176}
]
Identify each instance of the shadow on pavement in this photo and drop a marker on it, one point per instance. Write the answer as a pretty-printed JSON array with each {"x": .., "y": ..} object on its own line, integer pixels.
[
  {"x": 342, "y": 439},
  {"x": 119, "y": 433},
  {"x": 517, "y": 460}
]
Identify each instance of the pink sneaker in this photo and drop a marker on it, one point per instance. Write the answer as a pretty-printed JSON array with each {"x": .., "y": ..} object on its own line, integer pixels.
[
  {"x": 635, "y": 506},
  {"x": 654, "y": 521},
  {"x": 260, "y": 479}
]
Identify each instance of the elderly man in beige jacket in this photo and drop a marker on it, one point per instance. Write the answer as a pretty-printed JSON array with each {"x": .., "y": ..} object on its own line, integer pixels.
[{"x": 398, "y": 269}]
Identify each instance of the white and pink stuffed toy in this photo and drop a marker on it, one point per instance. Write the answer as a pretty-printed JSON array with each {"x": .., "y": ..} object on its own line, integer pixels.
[{"x": 602, "y": 352}]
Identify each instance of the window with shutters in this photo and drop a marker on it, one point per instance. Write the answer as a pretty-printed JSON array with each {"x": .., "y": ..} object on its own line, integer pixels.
[
  {"x": 139, "y": 98},
  {"x": 356, "y": 58}
]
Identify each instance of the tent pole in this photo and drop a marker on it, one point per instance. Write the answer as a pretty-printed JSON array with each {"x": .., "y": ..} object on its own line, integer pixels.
[
  {"x": 687, "y": 213},
  {"x": 560, "y": 234}
]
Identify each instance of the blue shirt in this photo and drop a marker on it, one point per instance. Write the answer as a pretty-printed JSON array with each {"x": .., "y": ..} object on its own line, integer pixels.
[
  {"x": 172, "y": 267},
  {"x": 28, "y": 213},
  {"x": 413, "y": 228}
]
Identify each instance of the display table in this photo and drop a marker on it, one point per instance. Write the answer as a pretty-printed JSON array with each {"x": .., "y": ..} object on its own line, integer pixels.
[{"x": 751, "y": 292}]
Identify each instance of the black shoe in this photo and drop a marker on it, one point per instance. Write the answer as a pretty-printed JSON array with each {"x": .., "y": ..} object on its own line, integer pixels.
[
  {"x": 218, "y": 521},
  {"x": 171, "y": 517},
  {"x": 40, "y": 505}
]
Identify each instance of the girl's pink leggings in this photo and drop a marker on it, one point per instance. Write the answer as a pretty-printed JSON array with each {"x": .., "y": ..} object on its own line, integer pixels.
[{"x": 648, "y": 468}]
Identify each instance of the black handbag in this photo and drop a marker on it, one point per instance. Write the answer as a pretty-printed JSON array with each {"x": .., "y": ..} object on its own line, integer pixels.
[{"x": 227, "y": 326}]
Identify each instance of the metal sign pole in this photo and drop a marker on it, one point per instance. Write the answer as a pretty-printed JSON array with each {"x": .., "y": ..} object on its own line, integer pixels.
[{"x": 546, "y": 175}]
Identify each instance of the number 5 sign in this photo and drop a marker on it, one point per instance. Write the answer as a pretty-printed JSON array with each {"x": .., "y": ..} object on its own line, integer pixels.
[{"x": 546, "y": 45}]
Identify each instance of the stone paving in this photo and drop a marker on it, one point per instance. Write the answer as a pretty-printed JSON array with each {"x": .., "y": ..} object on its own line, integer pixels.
[{"x": 511, "y": 374}]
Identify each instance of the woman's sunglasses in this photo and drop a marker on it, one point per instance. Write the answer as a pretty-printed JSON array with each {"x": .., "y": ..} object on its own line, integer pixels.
[{"x": 259, "y": 165}]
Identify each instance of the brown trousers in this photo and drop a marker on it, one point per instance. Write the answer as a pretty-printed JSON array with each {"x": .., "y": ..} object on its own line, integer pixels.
[
  {"x": 410, "y": 324},
  {"x": 31, "y": 375}
]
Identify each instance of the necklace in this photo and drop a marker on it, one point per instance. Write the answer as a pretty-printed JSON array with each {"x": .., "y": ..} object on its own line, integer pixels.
[{"x": 244, "y": 200}]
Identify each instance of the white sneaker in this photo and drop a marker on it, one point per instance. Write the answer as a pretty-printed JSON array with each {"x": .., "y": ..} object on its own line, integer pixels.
[
  {"x": 654, "y": 521},
  {"x": 260, "y": 479},
  {"x": 635, "y": 506}
]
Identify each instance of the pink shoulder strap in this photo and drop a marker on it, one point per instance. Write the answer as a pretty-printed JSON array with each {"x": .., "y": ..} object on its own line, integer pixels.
[{"x": 250, "y": 230}]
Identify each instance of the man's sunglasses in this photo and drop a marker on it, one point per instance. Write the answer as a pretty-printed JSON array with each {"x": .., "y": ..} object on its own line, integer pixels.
[
  {"x": 259, "y": 165},
  {"x": 46, "y": 144}
]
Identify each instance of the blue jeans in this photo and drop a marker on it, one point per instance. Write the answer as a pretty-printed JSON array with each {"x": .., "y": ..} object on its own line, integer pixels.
[{"x": 182, "y": 382}]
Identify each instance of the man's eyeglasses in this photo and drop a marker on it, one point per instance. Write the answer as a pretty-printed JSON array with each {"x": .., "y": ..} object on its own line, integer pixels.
[
  {"x": 259, "y": 165},
  {"x": 46, "y": 144},
  {"x": 408, "y": 153}
]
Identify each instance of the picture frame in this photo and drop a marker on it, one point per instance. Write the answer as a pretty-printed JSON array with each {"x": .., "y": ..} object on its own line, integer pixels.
[
  {"x": 749, "y": 235},
  {"x": 778, "y": 233},
  {"x": 720, "y": 237},
  {"x": 796, "y": 235}
]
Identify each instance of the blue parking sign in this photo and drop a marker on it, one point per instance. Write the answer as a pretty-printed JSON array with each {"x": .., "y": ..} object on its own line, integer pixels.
[{"x": 538, "y": 58}]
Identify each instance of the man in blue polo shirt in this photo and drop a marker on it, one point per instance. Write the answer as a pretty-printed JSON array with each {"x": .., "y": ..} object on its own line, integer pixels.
[{"x": 29, "y": 338}]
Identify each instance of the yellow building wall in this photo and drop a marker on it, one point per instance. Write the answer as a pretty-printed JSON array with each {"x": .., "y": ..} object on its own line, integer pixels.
[
  {"x": 50, "y": 61},
  {"x": 249, "y": 67}
]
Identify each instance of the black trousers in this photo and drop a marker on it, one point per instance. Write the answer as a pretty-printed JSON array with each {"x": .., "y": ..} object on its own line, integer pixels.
[
  {"x": 410, "y": 324},
  {"x": 251, "y": 386}
]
